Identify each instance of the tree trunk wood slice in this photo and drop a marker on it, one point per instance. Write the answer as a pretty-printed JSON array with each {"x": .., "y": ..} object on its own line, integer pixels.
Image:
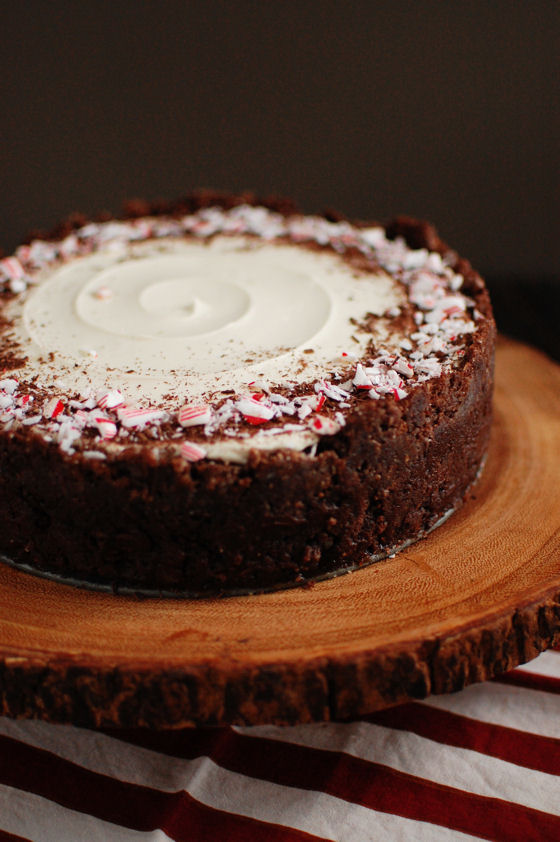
[{"x": 478, "y": 596}]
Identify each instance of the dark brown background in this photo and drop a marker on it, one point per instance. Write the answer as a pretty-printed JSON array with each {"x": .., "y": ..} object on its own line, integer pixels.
[{"x": 448, "y": 111}]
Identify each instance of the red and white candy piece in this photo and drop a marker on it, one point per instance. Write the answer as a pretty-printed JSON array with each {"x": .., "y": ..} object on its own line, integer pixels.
[
  {"x": 403, "y": 367},
  {"x": 361, "y": 380},
  {"x": 18, "y": 285},
  {"x": 131, "y": 417},
  {"x": 81, "y": 417},
  {"x": 345, "y": 357},
  {"x": 69, "y": 246},
  {"x": 52, "y": 408},
  {"x": 11, "y": 268},
  {"x": 254, "y": 411},
  {"x": 324, "y": 426},
  {"x": 192, "y": 452},
  {"x": 399, "y": 393},
  {"x": 319, "y": 401},
  {"x": 453, "y": 310},
  {"x": 258, "y": 386},
  {"x": 110, "y": 400},
  {"x": 107, "y": 428},
  {"x": 9, "y": 385},
  {"x": 306, "y": 408},
  {"x": 194, "y": 415},
  {"x": 331, "y": 390}
]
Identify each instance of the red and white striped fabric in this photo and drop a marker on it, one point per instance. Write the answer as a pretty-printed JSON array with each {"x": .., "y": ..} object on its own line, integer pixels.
[{"x": 483, "y": 764}]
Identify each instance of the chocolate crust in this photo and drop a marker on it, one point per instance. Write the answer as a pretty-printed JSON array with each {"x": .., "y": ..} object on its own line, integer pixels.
[{"x": 141, "y": 522}]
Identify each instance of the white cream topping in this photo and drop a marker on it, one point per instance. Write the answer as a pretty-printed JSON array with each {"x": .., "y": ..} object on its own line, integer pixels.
[
  {"x": 192, "y": 318},
  {"x": 235, "y": 450}
]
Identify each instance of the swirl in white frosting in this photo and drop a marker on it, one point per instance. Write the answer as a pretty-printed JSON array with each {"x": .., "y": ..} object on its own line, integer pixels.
[{"x": 189, "y": 318}]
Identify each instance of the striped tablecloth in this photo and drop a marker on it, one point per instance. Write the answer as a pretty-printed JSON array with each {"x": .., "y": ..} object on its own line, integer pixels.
[{"x": 484, "y": 763}]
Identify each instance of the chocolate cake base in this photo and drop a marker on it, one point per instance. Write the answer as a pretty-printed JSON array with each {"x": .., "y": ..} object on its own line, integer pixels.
[{"x": 177, "y": 594}]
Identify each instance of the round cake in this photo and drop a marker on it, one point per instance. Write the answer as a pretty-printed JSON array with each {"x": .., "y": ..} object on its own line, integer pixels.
[{"x": 222, "y": 395}]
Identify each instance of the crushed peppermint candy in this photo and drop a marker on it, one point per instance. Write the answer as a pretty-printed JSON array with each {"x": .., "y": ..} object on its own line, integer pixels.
[
  {"x": 443, "y": 316},
  {"x": 9, "y": 385},
  {"x": 402, "y": 366},
  {"x": 192, "y": 452},
  {"x": 255, "y": 411},
  {"x": 107, "y": 428},
  {"x": 195, "y": 414},
  {"x": 331, "y": 391},
  {"x": 110, "y": 400},
  {"x": 324, "y": 426},
  {"x": 361, "y": 380},
  {"x": 13, "y": 275},
  {"x": 53, "y": 407},
  {"x": 131, "y": 417},
  {"x": 67, "y": 435}
]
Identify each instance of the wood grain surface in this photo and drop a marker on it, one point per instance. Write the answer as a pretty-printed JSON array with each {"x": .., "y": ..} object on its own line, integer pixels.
[{"x": 478, "y": 596}]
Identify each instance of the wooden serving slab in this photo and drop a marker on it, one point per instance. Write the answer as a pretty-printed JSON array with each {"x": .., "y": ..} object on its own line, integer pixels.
[{"x": 478, "y": 596}]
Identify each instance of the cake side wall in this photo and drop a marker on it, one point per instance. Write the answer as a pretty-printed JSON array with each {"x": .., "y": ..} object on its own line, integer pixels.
[{"x": 393, "y": 471}]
